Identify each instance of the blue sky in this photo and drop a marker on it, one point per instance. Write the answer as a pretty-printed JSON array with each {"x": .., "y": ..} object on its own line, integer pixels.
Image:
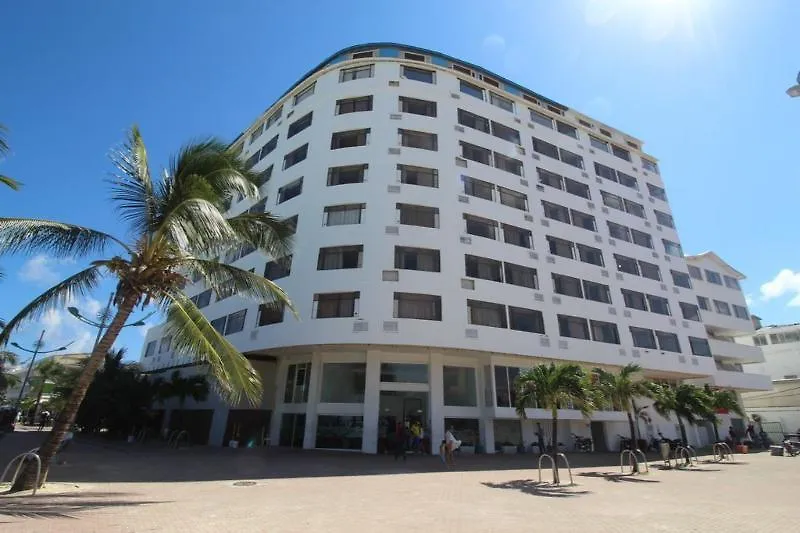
[{"x": 700, "y": 81}]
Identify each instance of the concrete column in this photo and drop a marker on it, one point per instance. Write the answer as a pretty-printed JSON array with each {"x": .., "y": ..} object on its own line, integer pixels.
[
  {"x": 371, "y": 402},
  {"x": 486, "y": 426},
  {"x": 437, "y": 399},
  {"x": 314, "y": 389},
  {"x": 528, "y": 428},
  {"x": 277, "y": 411},
  {"x": 218, "y": 422}
]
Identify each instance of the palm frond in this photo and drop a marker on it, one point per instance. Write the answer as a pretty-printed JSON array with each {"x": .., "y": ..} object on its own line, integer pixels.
[
  {"x": 264, "y": 231},
  {"x": 221, "y": 169},
  {"x": 9, "y": 182},
  {"x": 79, "y": 284},
  {"x": 193, "y": 335},
  {"x": 28, "y": 235},
  {"x": 197, "y": 226},
  {"x": 3, "y": 144},
  {"x": 132, "y": 186},
  {"x": 722, "y": 399}
]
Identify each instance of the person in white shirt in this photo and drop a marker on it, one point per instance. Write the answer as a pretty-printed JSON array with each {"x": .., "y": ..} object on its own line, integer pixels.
[{"x": 451, "y": 445}]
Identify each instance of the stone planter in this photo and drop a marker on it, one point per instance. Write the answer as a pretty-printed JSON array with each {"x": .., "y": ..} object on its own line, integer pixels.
[
  {"x": 509, "y": 450},
  {"x": 467, "y": 450},
  {"x": 233, "y": 444}
]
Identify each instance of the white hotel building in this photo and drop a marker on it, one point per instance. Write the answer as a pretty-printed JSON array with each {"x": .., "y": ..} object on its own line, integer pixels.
[{"x": 453, "y": 227}]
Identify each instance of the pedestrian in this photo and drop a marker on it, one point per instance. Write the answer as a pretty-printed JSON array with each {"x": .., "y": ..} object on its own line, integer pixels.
[
  {"x": 732, "y": 435},
  {"x": 401, "y": 441},
  {"x": 451, "y": 445},
  {"x": 44, "y": 418}
]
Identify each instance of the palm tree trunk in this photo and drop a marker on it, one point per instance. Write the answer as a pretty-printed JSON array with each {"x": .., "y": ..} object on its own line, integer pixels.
[
  {"x": 716, "y": 430},
  {"x": 683, "y": 431},
  {"x": 39, "y": 398},
  {"x": 556, "y": 479},
  {"x": 27, "y": 478},
  {"x": 634, "y": 444}
]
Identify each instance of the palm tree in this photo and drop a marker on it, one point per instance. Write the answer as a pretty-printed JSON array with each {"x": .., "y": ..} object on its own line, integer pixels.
[
  {"x": 194, "y": 387},
  {"x": 176, "y": 223},
  {"x": 554, "y": 386},
  {"x": 620, "y": 390},
  {"x": 5, "y": 180},
  {"x": 721, "y": 399},
  {"x": 7, "y": 379},
  {"x": 48, "y": 370},
  {"x": 687, "y": 402}
]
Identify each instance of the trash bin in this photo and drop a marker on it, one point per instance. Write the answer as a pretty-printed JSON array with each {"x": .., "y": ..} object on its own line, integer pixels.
[{"x": 664, "y": 449}]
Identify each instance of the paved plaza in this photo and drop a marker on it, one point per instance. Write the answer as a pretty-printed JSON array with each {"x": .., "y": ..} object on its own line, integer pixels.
[{"x": 120, "y": 487}]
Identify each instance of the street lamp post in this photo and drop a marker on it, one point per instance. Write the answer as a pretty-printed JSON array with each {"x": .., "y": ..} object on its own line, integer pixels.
[
  {"x": 103, "y": 318},
  {"x": 37, "y": 350},
  {"x": 794, "y": 90}
]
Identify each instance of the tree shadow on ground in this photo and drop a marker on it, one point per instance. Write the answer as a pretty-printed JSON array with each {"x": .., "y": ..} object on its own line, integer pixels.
[
  {"x": 49, "y": 506},
  {"x": 617, "y": 477},
  {"x": 537, "y": 488},
  {"x": 689, "y": 469}
]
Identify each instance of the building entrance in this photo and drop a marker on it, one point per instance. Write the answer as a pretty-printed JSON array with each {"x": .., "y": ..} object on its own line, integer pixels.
[{"x": 403, "y": 413}]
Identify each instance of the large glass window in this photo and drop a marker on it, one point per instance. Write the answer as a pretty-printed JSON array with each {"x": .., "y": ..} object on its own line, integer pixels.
[
  {"x": 522, "y": 319},
  {"x": 340, "y": 215},
  {"x": 690, "y": 311},
  {"x": 336, "y": 304},
  {"x": 471, "y": 120},
  {"x": 476, "y": 153},
  {"x": 354, "y": 105},
  {"x": 418, "y": 139},
  {"x": 418, "y": 74},
  {"x": 417, "y": 306},
  {"x": 404, "y": 373},
  {"x": 355, "y": 73},
  {"x": 700, "y": 346},
  {"x": 472, "y": 90},
  {"x": 297, "y": 380},
  {"x": 643, "y": 338},
  {"x": 478, "y": 188},
  {"x": 459, "y": 386},
  {"x": 299, "y": 125},
  {"x": 668, "y": 342},
  {"x": 604, "y": 332},
  {"x": 343, "y": 382},
  {"x": 425, "y": 259},
  {"x": 346, "y": 175},
  {"x": 520, "y": 275},
  {"x": 573, "y": 326},
  {"x": 416, "y": 106},
  {"x": 486, "y": 314},
  {"x": 426, "y": 177},
  {"x": 339, "y": 257},
  {"x": 339, "y": 432},
  {"x": 505, "y": 385},
  {"x": 483, "y": 268}
]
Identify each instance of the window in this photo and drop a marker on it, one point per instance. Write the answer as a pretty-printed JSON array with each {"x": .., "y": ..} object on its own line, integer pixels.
[
  {"x": 418, "y": 215},
  {"x": 505, "y": 133},
  {"x": 478, "y": 188},
  {"x": 556, "y": 212},
  {"x": 343, "y": 382},
  {"x": 657, "y": 304},
  {"x": 713, "y": 277},
  {"x": 257, "y": 133},
  {"x": 416, "y": 106},
  {"x": 471, "y": 120},
  {"x": 298, "y": 377},
  {"x": 521, "y": 319},
  {"x": 598, "y": 143},
  {"x": 641, "y": 238},
  {"x": 339, "y": 215},
  {"x": 264, "y": 177},
  {"x": 291, "y": 224},
  {"x": 268, "y": 148},
  {"x": 672, "y": 248},
  {"x": 690, "y": 311},
  {"x": 700, "y": 347},
  {"x": 740, "y": 312},
  {"x": 650, "y": 271},
  {"x": 472, "y": 90},
  {"x": 305, "y": 93},
  {"x": 649, "y": 165},
  {"x": 509, "y": 164},
  {"x": 605, "y": 172},
  {"x": 346, "y": 175},
  {"x": 604, "y": 332},
  {"x": 425, "y": 177},
  {"x": 620, "y": 152},
  {"x": 618, "y": 231},
  {"x": 634, "y": 300},
  {"x": 404, "y": 373},
  {"x": 704, "y": 303},
  {"x": 459, "y": 386},
  {"x": 550, "y": 179},
  {"x": 605, "y": 132},
  {"x": 235, "y": 322},
  {"x": 573, "y": 326},
  {"x": 418, "y": 139},
  {"x": 336, "y": 304},
  {"x": 627, "y": 264},
  {"x": 354, "y": 105},
  {"x": 203, "y": 299},
  {"x": 481, "y": 227},
  {"x": 613, "y": 201},
  {"x": 483, "y": 268},
  {"x": 627, "y": 181},
  {"x": 567, "y": 285},
  {"x": 505, "y": 386},
  {"x": 758, "y": 340},
  {"x": 541, "y": 119},
  {"x": 545, "y": 148},
  {"x": 722, "y": 307},
  {"x": 517, "y": 236},
  {"x": 424, "y": 259},
  {"x": 577, "y": 188},
  {"x": 349, "y": 139},
  {"x": 418, "y": 74},
  {"x": 289, "y": 191},
  {"x": 486, "y": 314},
  {"x": 566, "y": 129},
  {"x": 664, "y": 219},
  {"x": 657, "y": 192},
  {"x": 417, "y": 306},
  {"x": 278, "y": 268},
  {"x": 695, "y": 272},
  {"x": 299, "y": 125},
  {"x": 274, "y": 117},
  {"x": 681, "y": 279},
  {"x": 582, "y": 220},
  {"x": 336, "y": 432},
  {"x": 295, "y": 156},
  {"x": 571, "y": 158},
  {"x": 596, "y": 292},
  {"x": 560, "y": 247},
  {"x": 356, "y": 73},
  {"x": 476, "y": 153},
  {"x": 521, "y": 275},
  {"x": 634, "y": 208},
  {"x": 513, "y": 199},
  {"x": 502, "y": 102},
  {"x": 225, "y": 289},
  {"x": 589, "y": 254},
  {"x": 363, "y": 55},
  {"x": 151, "y": 349},
  {"x": 668, "y": 342},
  {"x": 730, "y": 282},
  {"x": 340, "y": 257},
  {"x": 258, "y": 207},
  {"x": 643, "y": 338}
]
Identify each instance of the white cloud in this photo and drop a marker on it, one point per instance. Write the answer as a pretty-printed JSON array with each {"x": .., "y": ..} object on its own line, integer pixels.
[
  {"x": 785, "y": 283},
  {"x": 748, "y": 299},
  {"x": 39, "y": 270},
  {"x": 494, "y": 41}
]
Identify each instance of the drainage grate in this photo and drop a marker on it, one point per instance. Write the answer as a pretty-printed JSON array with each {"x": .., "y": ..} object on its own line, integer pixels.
[{"x": 244, "y": 483}]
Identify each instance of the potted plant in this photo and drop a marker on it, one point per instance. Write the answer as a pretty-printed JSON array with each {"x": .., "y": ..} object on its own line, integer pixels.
[{"x": 509, "y": 448}]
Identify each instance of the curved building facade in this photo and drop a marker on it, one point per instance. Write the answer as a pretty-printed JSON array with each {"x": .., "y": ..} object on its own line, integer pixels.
[{"x": 452, "y": 227}]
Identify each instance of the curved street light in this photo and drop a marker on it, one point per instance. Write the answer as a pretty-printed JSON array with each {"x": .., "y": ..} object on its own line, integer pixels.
[
  {"x": 794, "y": 90},
  {"x": 37, "y": 350},
  {"x": 104, "y": 318}
]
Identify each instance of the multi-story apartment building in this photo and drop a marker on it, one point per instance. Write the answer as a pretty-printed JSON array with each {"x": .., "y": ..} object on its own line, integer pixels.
[{"x": 452, "y": 227}]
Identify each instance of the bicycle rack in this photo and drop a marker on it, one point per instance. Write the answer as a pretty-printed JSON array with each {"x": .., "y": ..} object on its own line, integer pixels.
[
  {"x": 633, "y": 461},
  {"x": 723, "y": 451},
  {"x": 172, "y": 437},
  {"x": 177, "y": 442},
  {"x": 142, "y": 435},
  {"x": 23, "y": 457},
  {"x": 553, "y": 466},
  {"x": 683, "y": 457},
  {"x": 693, "y": 453}
]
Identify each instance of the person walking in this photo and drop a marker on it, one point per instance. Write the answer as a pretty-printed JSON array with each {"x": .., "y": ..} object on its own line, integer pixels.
[
  {"x": 401, "y": 441},
  {"x": 44, "y": 419},
  {"x": 451, "y": 445}
]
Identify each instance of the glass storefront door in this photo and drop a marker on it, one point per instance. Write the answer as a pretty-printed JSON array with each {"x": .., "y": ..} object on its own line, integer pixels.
[
  {"x": 293, "y": 427},
  {"x": 400, "y": 409}
]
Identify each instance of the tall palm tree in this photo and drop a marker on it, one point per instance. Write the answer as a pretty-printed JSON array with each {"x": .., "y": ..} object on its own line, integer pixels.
[
  {"x": 721, "y": 399},
  {"x": 7, "y": 379},
  {"x": 48, "y": 370},
  {"x": 194, "y": 387},
  {"x": 687, "y": 402},
  {"x": 176, "y": 224},
  {"x": 5, "y": 180},
  {"x": 621, "y": 389},
  {"x": 554, "y": 386}
]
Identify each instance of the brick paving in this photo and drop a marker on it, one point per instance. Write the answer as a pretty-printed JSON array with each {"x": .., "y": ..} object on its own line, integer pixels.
[{"x": 120, "y": 488}]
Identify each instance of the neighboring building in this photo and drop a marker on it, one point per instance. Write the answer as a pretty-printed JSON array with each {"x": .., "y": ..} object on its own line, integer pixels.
[
  {"x": 68, "y": 360},
  {"x": 452, "y": 227}
]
